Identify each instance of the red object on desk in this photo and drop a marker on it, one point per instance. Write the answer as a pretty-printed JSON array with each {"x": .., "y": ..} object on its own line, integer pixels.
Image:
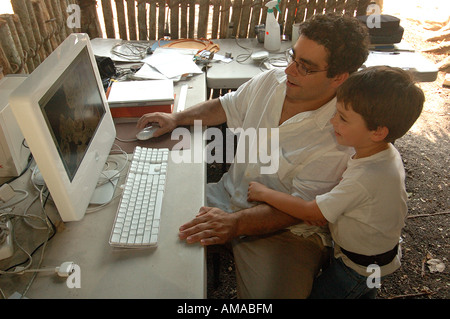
[{"x": 138, "y": 111}]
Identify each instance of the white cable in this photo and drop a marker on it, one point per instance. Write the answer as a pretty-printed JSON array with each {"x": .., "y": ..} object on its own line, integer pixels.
[
  {"x": 29, "y": 257},
  {"x": 126, "y": 141},
  {"x": 25, "y": 195},
  {"x": 99, "y": 207},
  {"x": 64, "y": 270},
  {"x": 25, "y": 214}
]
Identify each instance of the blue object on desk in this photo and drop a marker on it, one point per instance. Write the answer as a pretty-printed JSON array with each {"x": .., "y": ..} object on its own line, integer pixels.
[{"x": 159, "y": 44}]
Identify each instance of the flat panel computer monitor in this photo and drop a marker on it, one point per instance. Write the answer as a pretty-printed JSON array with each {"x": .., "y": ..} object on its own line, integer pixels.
[{"x": 63, "y": 114}]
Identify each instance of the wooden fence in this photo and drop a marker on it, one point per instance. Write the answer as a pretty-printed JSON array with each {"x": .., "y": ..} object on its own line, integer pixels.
[{"x": 37, "y": 27}]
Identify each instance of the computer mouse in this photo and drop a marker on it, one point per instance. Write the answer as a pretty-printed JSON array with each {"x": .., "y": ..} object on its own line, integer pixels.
[{"x": 147, "y": 133}]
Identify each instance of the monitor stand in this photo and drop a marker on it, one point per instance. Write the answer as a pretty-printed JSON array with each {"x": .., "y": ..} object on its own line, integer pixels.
[{"x": 105, "y": 192}]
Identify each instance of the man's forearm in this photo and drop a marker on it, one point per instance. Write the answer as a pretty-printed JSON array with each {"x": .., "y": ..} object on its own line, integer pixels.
[
  {"x": 262, "y": 219},
  {"x": 211, "y": 113}
]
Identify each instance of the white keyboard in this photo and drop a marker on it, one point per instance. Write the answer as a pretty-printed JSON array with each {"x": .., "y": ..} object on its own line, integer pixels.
[{"x": 139, "y": 212}]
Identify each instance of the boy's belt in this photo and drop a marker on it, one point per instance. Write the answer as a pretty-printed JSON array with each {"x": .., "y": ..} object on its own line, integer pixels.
[{"x": 380, "y": 260}]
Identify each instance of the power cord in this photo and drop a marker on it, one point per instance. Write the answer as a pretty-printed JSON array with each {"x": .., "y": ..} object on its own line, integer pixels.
[
  {"x": 64, "y": 270},
  {"x": 109, "y": 179},
  {"x": 130, "y": 51},
  {"x": 51, "y": 231}
]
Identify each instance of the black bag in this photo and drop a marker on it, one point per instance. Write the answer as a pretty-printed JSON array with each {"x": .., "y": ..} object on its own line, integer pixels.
[
  {"x": 106, "y": 67},
  {"x": 388, "y": 31}
]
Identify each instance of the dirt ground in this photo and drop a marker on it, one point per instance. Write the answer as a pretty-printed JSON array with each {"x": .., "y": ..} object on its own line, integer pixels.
[{"x": 425, "y": 237}]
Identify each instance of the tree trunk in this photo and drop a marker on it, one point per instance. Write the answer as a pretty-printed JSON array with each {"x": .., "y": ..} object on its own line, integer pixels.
[
  {"x": 444, "y": 65},
  {"x": 440, "y": 36},
  {"x": 441, "y": 48}
]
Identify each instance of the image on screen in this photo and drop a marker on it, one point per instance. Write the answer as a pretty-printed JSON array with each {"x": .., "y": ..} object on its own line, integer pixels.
[{"x": 73, "y": 109}]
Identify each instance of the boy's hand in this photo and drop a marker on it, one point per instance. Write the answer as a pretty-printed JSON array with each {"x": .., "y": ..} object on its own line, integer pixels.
[{"x": 256, "y": 192}]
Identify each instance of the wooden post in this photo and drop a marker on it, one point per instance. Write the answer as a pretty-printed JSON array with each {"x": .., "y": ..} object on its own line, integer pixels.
[
  {"x": 350, "y": 7},
  {"x": 131, "y": 16},
  {"x": 35, "y": 29},
  {"x": 152, "y": 21},
  {"x": 235, "y": 18},
  {"x": 225, "y": 18},
  {"x": 15, "y": 37},
  {"x": 290, "y": 18},
  {"x": 21, "y": 11},
  {"x": 9, "y": 48},
  {"x": 331, "y": 6},
  {"x": 203, "y": 19},
  {"x": 215, "y": 19},
  {"x": 65, "y": 15},
  {"x": 60, "y": 29},
  {"x": 183, "y": 18},
  {"x": 4, "y": 63},
  {"x": 361, "y": 8},
  {"x": 20, "y": 8},
  {"x": 281, "y": 15},
  {"x": 161, "y": 18},
  {"x": 42, "y": 27},
  {"x": 340, "y": 6},
  {"x": 108, "y": 18},
  {"x": 320, "y": 7},
  {"x": 142, "y": 20},
  {"x": 245, "y": 18},
  {"x": 255, "y": 20},
  {"x": 89, "y": 18},
  {"x": 174, "y": 11},
  {"x": 24, "y": 42},
  {"x": 191, "y": 33},
  {"x": 121, "y": 19},
  {"x": 50, "y": 22}
]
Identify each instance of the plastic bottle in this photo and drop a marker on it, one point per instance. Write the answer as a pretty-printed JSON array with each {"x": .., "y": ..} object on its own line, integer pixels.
[{"x": 272, "y": 38}]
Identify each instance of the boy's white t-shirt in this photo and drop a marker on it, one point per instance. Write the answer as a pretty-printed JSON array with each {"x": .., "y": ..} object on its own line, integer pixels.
[{"x": 367, "y": 209}]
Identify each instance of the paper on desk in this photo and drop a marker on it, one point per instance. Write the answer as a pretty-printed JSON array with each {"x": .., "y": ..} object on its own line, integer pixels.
[
  {"x": 222, "y": 58},
  {"x": 173, "y": 62},
  {"x": 150, "y": 73}
]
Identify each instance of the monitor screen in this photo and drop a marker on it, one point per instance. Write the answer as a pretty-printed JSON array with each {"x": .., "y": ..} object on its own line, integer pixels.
[
  {"x": 62, "y": 111},
  {"x": 73, "y": 109}
]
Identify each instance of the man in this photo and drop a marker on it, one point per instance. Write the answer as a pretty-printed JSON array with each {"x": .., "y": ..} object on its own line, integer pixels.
[{"x": 276, "y": 255}]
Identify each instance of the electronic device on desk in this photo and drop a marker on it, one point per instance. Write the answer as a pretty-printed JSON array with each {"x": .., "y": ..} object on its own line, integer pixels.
[
  {"x": 139, "y": 213},
  {"x": 14, "y": 156},
  {"x": 136, "y": 98},
  {"x": 62, "y": 111}
]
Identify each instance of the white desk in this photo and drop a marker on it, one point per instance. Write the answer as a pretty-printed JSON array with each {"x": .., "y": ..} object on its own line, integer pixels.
[
  {"x": 232, "y": 75},
  {"x": 172, "y": 270}
]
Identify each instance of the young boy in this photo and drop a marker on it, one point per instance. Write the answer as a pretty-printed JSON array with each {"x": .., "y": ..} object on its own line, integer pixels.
[{"x": 366, "y": 210}]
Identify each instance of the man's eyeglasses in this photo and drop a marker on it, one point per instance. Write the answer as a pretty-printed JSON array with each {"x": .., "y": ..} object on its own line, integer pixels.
[{"x": 300, "y": 66}]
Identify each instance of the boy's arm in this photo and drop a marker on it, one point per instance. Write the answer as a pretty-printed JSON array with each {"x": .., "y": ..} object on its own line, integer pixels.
[{"x": 297, "y": 207}]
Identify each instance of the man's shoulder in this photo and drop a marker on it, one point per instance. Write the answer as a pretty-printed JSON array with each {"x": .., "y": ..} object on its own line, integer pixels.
[{"x": 275, "y": 74}]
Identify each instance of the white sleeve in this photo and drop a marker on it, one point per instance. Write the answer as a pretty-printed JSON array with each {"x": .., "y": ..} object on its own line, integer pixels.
[{"x": 343, "y": 198}]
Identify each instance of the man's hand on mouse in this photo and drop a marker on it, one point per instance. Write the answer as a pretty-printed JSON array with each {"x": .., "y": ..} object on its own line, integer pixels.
[{"x": 166, "y": 122}]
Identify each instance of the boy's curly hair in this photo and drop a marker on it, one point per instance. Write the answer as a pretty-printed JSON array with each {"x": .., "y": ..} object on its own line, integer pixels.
[{"x": 345, "y": 38}]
